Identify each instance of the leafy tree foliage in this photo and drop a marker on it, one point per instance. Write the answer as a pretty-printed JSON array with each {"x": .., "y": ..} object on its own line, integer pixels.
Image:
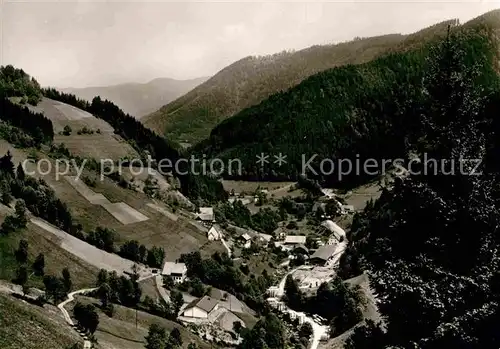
[
  {"x": 265, "y": 220},
  {"x": 124, "y": 290},
  {"x": 86, "y": 316},
  {"x": 16, "y": 83},
  {"x": 66, "y": 279},
  {"x": 157, "y": 337},
  {"x": 22, "y": 252},
  {"x": 54, "y": 288},
  {"x": 36, "y": 125},
  {"x": 220, "y": 271},
  {"x": 268, "y": 332},
  {"x": 21, "y": 276},
  {"x": 102, "y": 238},
  {"x": 39, "y": 265}
]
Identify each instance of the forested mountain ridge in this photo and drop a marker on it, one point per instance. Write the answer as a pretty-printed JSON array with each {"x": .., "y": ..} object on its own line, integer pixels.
[
  {"x": 253, "y": 79},
  {"x": 139, "y": 99},
  {"x": 431, "y": 243},
  {"x": 350, "y": 112}
]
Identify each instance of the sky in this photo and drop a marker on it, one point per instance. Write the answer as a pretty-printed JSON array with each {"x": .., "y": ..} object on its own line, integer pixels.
[{"x": 69, "y": 43}]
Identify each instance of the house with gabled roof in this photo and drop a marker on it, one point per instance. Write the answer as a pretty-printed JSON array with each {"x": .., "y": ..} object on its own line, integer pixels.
[
  {"x": 214, "y": 233},
  {"x": 177, "y": 271},
  {"x": 206, "y": 214},
  {"x": 201, "y": 308}
]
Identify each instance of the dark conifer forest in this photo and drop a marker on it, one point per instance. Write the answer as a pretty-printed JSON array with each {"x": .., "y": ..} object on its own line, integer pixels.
[{"x": 431, "y": 242}]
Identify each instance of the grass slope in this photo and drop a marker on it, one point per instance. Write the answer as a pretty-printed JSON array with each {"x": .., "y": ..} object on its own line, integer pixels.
[
  {"x": 56, "y": 258},
  {"x": 105, "y": 145},
  {"x": 120, "y": 331},
  {"x": 253, "y": 79},
  {"x": 24, "y": 326}
]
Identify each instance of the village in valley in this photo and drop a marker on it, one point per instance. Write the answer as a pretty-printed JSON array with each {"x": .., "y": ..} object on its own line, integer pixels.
[{"x": 306, "y": 245}]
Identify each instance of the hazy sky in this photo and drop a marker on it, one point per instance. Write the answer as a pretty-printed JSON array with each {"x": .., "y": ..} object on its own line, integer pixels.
[{"x": 86, "y": 43}]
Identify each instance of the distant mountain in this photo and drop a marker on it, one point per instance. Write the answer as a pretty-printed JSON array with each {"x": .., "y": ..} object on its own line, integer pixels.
[
  {"x": 253, "y": 79},
  {"x": 139, "y": 99}
]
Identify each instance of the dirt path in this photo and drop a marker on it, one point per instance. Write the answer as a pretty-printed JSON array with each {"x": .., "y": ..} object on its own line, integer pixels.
[{"x": 86, "y": 343}]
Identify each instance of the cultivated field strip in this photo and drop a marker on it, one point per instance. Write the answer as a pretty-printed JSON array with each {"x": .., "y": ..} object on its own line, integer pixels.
[
  {"x": 120, "y": 210},
  {"x": 91, "y": 254},
  {"x": 163, "y": 211}
]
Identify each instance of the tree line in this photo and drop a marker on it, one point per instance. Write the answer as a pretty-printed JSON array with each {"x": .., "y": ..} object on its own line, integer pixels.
[
  {"x": 35, "y": 124},
  {"x": 264, "y": 221},
  {"x": 17, "y": 83}
]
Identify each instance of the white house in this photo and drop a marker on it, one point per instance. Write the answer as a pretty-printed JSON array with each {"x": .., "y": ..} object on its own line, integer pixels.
[
  {"x": 177, "y": 271},
  {"x": 206, "y": 214},
  {"x": 201, "y": 308},
  {"x": 215, "y": 233},
  {"x": 245, "y": 240},
  {"x": 295, "y": 240},
  {"x": 347, "y": 209}
]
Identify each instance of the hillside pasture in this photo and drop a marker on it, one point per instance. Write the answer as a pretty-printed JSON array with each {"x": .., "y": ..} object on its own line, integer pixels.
[
  {"x": 251, "y": 187},
  {"x": 120, "y": 331},
  {"x": 57, "y": 257},
  {"x": 24, "y": 326},
  {"x": 103, "y": 145}
]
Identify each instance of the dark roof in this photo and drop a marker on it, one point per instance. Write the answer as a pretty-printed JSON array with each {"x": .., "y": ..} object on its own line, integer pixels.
[
  {"x": 324, "y": 252},
  {"x": 206, "y": 303},
  {"x": 301, "y": 247}
]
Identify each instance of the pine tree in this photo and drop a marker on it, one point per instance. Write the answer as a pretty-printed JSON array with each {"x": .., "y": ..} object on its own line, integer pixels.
[{"x": 39, "y": 265}]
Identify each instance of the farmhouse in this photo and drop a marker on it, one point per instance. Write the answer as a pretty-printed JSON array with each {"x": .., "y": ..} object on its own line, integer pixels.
[
  {"x": 323, "y": 255},
  {"x": 215, "y": 233},
  {"x": 201, "y": 308},
  {"x": 295, "y": 240},
  {"x": 177, "y": 271},
  {"x": 206, "y": 214},
  {"x": 347, "y": 209},
  {"x": 280, "y": 233},
  {"x": 245, "y": 240}
]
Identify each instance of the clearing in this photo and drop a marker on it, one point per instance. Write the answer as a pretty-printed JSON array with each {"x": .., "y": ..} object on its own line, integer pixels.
[
  {"x": 250, "y": 187},
  {"x": 103, "y": 145}
]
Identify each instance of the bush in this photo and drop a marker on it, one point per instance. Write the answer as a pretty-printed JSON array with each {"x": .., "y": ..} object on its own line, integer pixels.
[{"x": 67, "y": 130}]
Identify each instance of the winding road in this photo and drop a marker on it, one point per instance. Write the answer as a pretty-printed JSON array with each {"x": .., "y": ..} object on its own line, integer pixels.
[
  {"x": 86, "y": 343},
  {"x": 318, "y": 329}
]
